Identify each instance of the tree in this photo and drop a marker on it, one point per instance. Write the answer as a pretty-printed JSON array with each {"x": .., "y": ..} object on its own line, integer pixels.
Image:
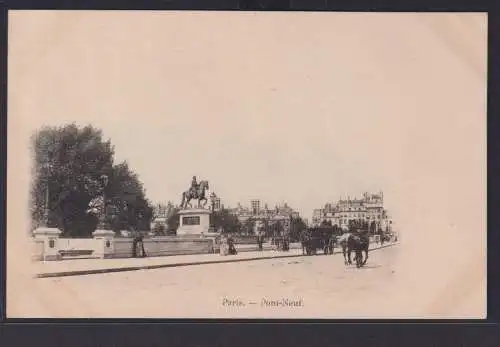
[
  {"x": 159, "y": 229},
  {"x": 68, "y": 164},
  {"x": 357, "y": 224},
  {"x": 326, "y": 223},
  {"x": 126, "y": 192},
  {"x": 276, "y": 227},
  {"x": 297, "y": 226},
  {"x": 173, "y": 219},
  {"x": 265, "y": 227},
  {"x": 226, "y": 220},
  {"x": 72, "y": 167},
  {"x": 248, "y": 226}
]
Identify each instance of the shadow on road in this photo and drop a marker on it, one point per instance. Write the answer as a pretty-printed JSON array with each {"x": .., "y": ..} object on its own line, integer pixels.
[{"x": 374, "y": 266}]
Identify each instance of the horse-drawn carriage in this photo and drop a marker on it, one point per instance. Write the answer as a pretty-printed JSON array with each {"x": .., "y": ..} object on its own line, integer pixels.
[{"x": 318, "y": 238}]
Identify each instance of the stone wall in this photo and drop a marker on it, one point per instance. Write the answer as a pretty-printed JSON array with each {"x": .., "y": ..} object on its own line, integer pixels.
[
  {"x": 122, "y": 247},
  {"x": 38, "y": 247},
  {"x": 163, "y": 246}
]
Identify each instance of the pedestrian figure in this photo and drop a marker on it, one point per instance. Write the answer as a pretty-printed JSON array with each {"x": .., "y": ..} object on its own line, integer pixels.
[
  {"x": 230, "y": 243},
  {"x": 224, "y": 249},
  {"x": 138, "y": 245},
  {"x": 260, "y": 240}
]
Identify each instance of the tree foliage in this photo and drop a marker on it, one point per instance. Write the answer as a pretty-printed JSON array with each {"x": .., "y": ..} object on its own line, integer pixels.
[
  {"x": 326, "y": 223},
  {"x": 126, "y": 193},
  {"x": 226, "y": 220},
  {"x": 358, "y": 224},
  {"x": 297, "y": 226},
  {"x": 69, "y": 164},
  {"x": 173, "y": 220},
  {"x": 249, "y": 226}
]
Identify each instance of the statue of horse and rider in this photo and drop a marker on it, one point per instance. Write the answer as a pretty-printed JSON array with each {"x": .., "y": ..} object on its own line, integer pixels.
[{"x": 196, "y": 191}]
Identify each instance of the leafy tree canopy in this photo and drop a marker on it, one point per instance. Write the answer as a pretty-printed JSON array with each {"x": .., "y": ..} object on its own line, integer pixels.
[
  {"x": 226, "y": 220},
  {"x": 69, "y": 165}
]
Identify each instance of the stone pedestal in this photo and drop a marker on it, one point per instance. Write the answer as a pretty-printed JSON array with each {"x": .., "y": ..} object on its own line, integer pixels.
[
  {"x": 194, "y": 222},
  {"x": 50, "y": 237},
  {"x": 105, "y": 245}
]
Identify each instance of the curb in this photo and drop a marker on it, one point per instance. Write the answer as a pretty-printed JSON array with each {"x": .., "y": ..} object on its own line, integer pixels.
[{"x": 158, "y": 266}]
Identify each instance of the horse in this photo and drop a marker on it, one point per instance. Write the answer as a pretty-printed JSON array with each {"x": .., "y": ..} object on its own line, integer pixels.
[
  {"x": 343, "y": 241},
  {"x": 358, "y": 243},
  {"x": 328, "y": 242},
  {"x": 188, "y": 195}
]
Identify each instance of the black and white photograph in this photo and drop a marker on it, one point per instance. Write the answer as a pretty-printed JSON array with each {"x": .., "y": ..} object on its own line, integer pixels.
[{"x": 184, "y": 164}]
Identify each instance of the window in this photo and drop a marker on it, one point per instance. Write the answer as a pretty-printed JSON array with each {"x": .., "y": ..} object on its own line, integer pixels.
[{"x": 192, "y": 220}]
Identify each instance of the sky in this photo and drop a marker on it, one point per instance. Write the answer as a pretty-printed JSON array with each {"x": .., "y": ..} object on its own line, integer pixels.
[
  {"x": 298, "y": 107},
  {"x": 301, "y": 107}
]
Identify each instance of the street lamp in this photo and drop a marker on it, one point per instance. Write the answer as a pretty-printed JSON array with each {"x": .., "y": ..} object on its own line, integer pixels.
[
  {"x": 213, "y": 199},
  {"x": 47, "y": 171},
  {"x": 103, "y": 216}
]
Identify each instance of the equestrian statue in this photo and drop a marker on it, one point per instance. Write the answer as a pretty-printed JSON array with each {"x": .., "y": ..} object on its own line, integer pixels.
[{"x": 196, "y": 191}]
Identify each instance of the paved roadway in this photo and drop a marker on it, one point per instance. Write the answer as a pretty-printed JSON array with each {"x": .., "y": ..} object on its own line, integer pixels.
[{"x": 315, "y": 286}]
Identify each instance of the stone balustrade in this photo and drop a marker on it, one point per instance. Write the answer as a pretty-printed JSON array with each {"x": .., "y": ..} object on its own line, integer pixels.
[
  {"x": 46, "y": 243},
  {"x": 104, "y": 244}
]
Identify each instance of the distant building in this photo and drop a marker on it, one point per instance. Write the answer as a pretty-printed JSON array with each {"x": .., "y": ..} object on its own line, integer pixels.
[
  {"x": 369, "y": 208},
  {"x": 318, "y": 216},
  {"x": 280, "y": 213},
  {"x": 255, "y": 206}
]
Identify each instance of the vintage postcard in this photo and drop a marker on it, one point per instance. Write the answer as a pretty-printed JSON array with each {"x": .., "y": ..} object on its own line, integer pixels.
[{"x": 185, "y": 164}]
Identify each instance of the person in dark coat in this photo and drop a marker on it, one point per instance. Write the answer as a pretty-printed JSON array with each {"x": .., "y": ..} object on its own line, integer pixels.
[
  {"x": 138, "y": 240},
  {"x": 230, "y": 243},
  {"x": 260, "y": 240}
]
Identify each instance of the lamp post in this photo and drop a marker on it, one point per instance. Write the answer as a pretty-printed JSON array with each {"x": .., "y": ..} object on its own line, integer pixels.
[
  {"x": 104, "y": 214},
  {"x": 213, "y": 199},
  {"x": 47, "y": 170}
]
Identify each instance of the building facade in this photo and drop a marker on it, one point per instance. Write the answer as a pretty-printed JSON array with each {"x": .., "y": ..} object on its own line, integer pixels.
[
  {"x": 369, "y": 208},
  {"x": 264, "y": 215},
  {"x": 255, "y": 206},
  {"x": 217, "y": 204}
]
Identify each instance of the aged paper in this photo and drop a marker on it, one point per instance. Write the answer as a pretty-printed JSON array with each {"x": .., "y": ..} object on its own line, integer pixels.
[{"x": 296, "y": 107}]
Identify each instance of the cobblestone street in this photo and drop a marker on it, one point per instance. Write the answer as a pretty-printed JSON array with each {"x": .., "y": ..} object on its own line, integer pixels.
[{"x": 312, "y": 287}]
